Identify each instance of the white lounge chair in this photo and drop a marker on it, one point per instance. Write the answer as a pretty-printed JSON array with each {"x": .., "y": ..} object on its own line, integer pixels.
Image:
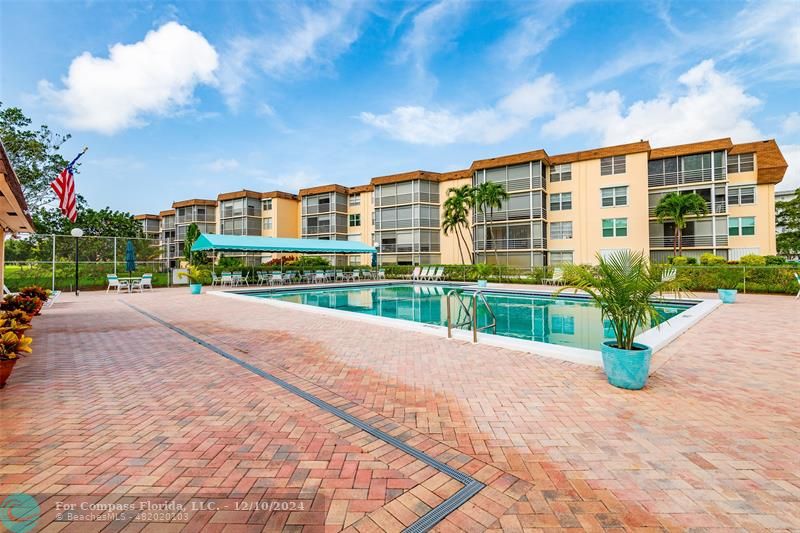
[
  {"x": 797, "y": 277},
  {"x": 414, "y": 274},
  {"x": 558, "y": 277},
  {"x": 146, "y": 282},
  {"x": 668, "y": 274},
  {"x": 437, "y": 275},
  {"x": 116, "y": 283},
  {"x": 424, "y": 274},
  {"x": 381, "y": 274}
]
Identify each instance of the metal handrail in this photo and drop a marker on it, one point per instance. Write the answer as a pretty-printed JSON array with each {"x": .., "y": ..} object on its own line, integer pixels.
[{"x": 471, "y": 317}]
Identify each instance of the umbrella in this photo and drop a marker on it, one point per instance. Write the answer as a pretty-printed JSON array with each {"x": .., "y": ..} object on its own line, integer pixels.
[
  {"x": 130, "y": 257},
  {"x": 374, "y": 259}
]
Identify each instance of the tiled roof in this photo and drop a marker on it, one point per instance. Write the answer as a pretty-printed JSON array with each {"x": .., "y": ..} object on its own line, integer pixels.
[
  {"x": 597, "y": 153},
  {"x": 691, "y": 148},
  {"x": 770, "y": 164}
]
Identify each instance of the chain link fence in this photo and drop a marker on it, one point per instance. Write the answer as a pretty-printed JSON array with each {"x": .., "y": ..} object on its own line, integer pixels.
[{"x": 49, "y": 261}]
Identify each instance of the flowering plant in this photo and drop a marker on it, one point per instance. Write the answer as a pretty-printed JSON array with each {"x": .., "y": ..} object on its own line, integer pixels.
[
  {"x": 19, "y": 301},
  {"x": 34, "y": 291},
  {"x": 15, "y": 314},
  {"x": 12, "y": 345}
]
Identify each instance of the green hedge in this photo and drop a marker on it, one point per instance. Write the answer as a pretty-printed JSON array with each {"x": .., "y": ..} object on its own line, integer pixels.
[{"x": 767, "y": 279}]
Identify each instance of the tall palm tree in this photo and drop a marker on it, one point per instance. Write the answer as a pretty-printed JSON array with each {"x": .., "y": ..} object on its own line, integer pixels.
[
  {"x": 456, "y": 214},
  {"x": 450, "y": 224},
  {"x": 490, "y": 195},
  {"x": 676, "y": 207}
]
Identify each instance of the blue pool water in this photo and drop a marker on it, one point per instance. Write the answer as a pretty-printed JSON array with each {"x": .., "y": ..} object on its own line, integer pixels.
[{"x": 564, "y": 320}]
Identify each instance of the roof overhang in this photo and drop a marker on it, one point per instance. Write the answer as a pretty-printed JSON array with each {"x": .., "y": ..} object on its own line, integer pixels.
[
  {"x": 246, "y": 243},
  {"x": 14, "y": 215}
]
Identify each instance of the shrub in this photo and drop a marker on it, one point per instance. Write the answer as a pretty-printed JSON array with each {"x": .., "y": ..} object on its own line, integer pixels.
[
  {"x": 775, "y": 259},
  {"x": 752, "y": 260},
  {"x": 679, "y": 260},
  {"x": 229, "y": 263},
  {"x": 18, "y": 301},
  {"x": 691, "y": 260},
  {"x": 278, "y": 261},
  {"x": 16, "y": 314},
  {"x": 310, "y": 261},
  {"x": 733, "y": 262},
  {"x": 759, "y": 279},
  {"x": 711, "y": 259},
  {"x": 12, "y": 345}
]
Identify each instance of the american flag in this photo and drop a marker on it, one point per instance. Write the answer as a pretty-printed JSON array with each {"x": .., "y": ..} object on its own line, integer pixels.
[{"x": 64, "y": 186}]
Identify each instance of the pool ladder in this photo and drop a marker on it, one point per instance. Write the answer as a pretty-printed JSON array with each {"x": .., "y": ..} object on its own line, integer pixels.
[{"x": 470, "y": 317}]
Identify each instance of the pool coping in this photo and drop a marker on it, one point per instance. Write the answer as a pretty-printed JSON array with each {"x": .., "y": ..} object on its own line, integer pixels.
[{"x": 657, "y": 338}]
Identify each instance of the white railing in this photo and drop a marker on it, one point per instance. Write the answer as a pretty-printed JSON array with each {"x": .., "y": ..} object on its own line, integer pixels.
[
  {"x": 688, "y": 241},
  {"x": 509, "y": 244},
  {"x": 720, "y": 208},
  {"x": 686, "y": 177}
]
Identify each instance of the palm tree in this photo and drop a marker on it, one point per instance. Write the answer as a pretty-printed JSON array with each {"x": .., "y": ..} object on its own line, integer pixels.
[
  {"x": 676, "y": 207},
  {"x": 489, "y": 195},
  {"x": 456, "y": 214}
]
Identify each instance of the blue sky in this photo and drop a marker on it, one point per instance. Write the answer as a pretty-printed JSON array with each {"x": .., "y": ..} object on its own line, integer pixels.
[{"x": 179, "y": 100}]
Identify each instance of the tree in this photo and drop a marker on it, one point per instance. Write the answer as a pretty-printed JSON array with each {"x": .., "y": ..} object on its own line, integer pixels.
[
  {"x": 676, "y": 207},
  {"x": 33, "y": 153},
  {"x": 788, "y": 219},
  {"x": 456, "y": 215},
  {"x": 105, "y": 222},
  {"x": 193, "y": 258},
  {"x": 489, "y": 195}
]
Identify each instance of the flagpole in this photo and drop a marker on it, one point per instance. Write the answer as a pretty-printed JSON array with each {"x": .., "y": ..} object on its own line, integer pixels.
[{"x": 85, "y": 149}]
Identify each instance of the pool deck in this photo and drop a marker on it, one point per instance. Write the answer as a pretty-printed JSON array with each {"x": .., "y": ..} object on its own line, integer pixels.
[{"x": 116, "y": 407}]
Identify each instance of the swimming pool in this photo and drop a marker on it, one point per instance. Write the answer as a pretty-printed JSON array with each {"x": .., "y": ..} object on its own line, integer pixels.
[{"x": 565, "y": 320}]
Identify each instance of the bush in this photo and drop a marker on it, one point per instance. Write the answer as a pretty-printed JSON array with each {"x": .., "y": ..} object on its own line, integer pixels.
[
  {"x": 229, "y": 263},
  {"x": 34, "y": 291},
  {"x": 711, "y": 259},
  {"x": 775, "y": 279},
  {"x": 775, "y": 260},
  {"x": 310, "y": 261},
  {"x": 691, "y": 260},
  {"x": 679, "y": 260},
  {"x": 752, "y": 260},
  {"x": 18, "y": 301}
]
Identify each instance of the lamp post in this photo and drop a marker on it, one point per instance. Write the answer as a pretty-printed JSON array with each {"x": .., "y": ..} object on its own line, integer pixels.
[{"x": 77, "y": 233}]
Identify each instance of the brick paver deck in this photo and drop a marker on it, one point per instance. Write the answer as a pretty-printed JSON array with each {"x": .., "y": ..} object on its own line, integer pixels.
[{"x": 117, "y": 409}]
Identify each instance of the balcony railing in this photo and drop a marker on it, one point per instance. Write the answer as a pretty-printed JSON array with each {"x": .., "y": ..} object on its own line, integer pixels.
[
  {"x": 686, "y": 177},
  {"x": 688, "y": 241},
  {"x": 514, "y": 214},
  {"x": 406, "y": 223},
  {"x": 324, "y": 228},
  {"x": 720, "y": 208},
  {"x": 407, "y": 198},
  {"x": 509, "y": 244},
  {"x": 407, "y": 248},
  {"x": 325, "y": 208}
]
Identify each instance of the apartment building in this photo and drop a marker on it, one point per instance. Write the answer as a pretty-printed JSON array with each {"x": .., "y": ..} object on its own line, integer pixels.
[
  {"x": 151, "y": 225},
  {"x": 563, "y": 208},
  {"x": 195, "y": 211}
]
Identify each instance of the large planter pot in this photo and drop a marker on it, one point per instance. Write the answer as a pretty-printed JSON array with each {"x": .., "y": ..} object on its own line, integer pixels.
[
  {"x": 728, "y": 296},
  {"x": 196, "y": 288},
  {"x": 482, "y": 283},
  {"x": 626, "y": 369},
  {"x": 6, "y": 366}
]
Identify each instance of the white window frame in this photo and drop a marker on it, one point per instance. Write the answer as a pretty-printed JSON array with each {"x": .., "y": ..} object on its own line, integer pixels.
[
  {"x": 562, "y": 235},
  {"x": 736, "y": 162},
  {"x": 350, "y": 220},
  {"x": 267, "y": 223},
  {"x": 560, "y": 196},
  {"x": 267, "y": 204},
  {"x": 613, "y": 189},
  {"x": 615, "y": 164},
  {"x": 560, "y": 171},
  {"x": 615, "y": 228},
  {"x": 737, "y": 189}
]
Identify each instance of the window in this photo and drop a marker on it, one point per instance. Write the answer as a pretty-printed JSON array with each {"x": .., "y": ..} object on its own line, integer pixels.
[
  {"x": 740, "y": 163},
  {"x": 562, "y": 325},
  {"x": 354, "y": 237},
  {"x": 741, "y": 226},
  {"x": 561, "y": 230},
  {"x": 355, "y": 220},
  {"x": 614, "y": 196},
  {"x": 268, "y": 204},
  {"x": 355, "y": 199},
  {"x": 561, "y": 201},
  {"x": 612, "y": 165},
  {"x": 561, "y": 172},
  {"x": 268, "y": 223},
  {"x": 561, "y": 257},
  {"x": 742, "y": 195},
  {"x": 615, "y": 227}
]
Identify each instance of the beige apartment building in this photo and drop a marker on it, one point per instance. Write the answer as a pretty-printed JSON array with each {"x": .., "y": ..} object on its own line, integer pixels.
[{"x": 564, "y": 208}]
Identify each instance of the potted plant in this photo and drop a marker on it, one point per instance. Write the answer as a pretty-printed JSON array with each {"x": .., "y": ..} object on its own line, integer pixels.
[
  {"x": 623, "y": 286},
  {"x": 18, "y": 301},
  {"x": 195, "y": 275},
  {"x": 34, "y": 291},
  {"x": 16, "y": 314},
  {"x": 483, "y": 271},
  {"x": 11, "y": 346}
]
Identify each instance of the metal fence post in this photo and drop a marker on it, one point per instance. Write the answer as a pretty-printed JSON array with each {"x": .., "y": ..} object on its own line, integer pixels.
[
  {"x": 53, "y": 259},
  {"x": 115, "y": 256}
]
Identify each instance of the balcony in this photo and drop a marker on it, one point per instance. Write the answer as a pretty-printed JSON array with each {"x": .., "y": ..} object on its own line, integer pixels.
[
  {"x": 509, "y": 244},
  {"x": 407, "y": 198},
  {"x": 324, "y": 228},
  {"x": 688, "y": 241},
  {"x": 685, "y": 177},
  {"x": 514, "y": 214},
  {"x": 407, "y": 248},
  {"x": 720, "y": 208},
  {"x": 406, "y": 223}
]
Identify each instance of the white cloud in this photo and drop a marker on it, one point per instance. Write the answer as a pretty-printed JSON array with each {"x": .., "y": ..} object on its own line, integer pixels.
[
  {"x": 309, "y": 37},
  {"x": 711, "y": 105},
  {"x": 154, "y": 76},
  {"x": 792, "y": 123},
  {"x": 533, "y": 33},
  {"x": 419, "y": 125},
  {"x": 433, "y": 29},
  {"x": 223, "y": 165},
  {"x": 791, "y": 181},
  {"x": 292, "y": 181}
]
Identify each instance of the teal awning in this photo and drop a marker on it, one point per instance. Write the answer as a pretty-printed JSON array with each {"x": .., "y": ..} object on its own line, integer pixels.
[{"x": 246, "y": 243}]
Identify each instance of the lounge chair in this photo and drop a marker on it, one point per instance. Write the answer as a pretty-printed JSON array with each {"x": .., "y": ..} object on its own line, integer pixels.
[
  {"x": 276, "y": 279},
  {"x": 116, "y": 283},
  {"x": 381, "y": 274},
  {"x": 668, "y": 274},
  {"x": 437, "y": 275},
  {"x": 797, "y": 277},
  {"x": 146, "y": 282},
  {"x": 423, "y": 275},
  {"x": 558, "y": 277},
  {"x": 414, "y": 274}
]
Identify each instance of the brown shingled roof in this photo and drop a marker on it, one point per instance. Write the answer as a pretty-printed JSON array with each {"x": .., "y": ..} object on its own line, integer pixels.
[
  {"x": 244, "y": 193},
  {"x": 145, "y": 216},
  {"x": 166, "y": 213},
  {"x": 361, "y": 188},
  {"x": 597, "y": 153},
  {"x": 279, "y": 194},
  {"x": 512, "y": 159},
  {"x": 406, "y": 176},
  {"x": 333, "y": 187},
  {"x": 194, "y": 201},
  {"x": 770, "y": 164},
  {"x": 691, "y": 148}
]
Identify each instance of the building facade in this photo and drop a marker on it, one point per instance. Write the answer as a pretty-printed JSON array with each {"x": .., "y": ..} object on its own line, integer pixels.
[{"x": 564, "y": 208}]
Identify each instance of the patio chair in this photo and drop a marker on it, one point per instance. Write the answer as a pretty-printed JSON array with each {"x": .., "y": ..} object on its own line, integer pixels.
[
  {"x": 558, "y": 277},
  {"x": 423, "y": 275},
  {"x": 356, "y": 274},
  {"x": 214, "y": 278},
  {"x": 146, "y": 282},
  {"x": 319, "y": 276},
  {"x": 381, "y": 274},
  {"x": 261, "y": 277},
  {"x": 116, "y": 283},
  {"x": 797, "y": 277},
  {"x": 414, "y": 274},
  {"x": 437, "y": 276},
  {"x": 276, "y": 279},
  {"x": 226, "y": 279},
  {"x": 669, "y": 274}
]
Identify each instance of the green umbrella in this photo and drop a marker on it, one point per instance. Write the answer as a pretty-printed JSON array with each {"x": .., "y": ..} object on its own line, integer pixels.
[{"x": 130, "y": 257}]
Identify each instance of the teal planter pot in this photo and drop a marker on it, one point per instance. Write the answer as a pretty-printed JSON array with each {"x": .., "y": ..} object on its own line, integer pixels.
[
  {"x": 626, "y": 369},
  {"x": 728, "y": 296},
  {"x": 196, "y": 288},
  {"x": 482, "y": 283}
]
